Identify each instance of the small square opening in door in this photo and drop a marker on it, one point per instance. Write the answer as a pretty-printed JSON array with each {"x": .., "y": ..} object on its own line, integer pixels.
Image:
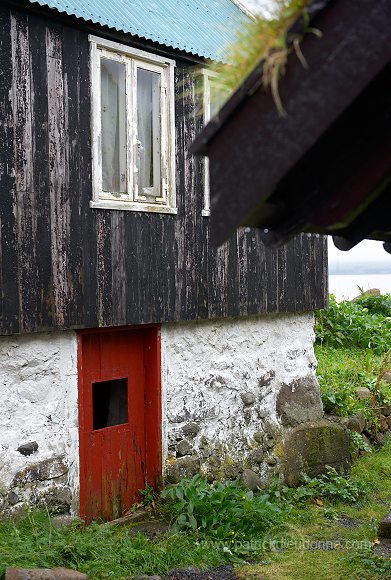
[{"x": 109, "y": 403}]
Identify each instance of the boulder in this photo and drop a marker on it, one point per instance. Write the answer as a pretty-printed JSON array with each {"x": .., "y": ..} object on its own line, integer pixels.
[
  {"x": 299, "y": 402},
  {"x": 250, "y": 480},
  {"x": 312, "y": 447},
  {"x": 387, "y": 376},
  {"x": 191, "y": 429},
  {"x": 363, "y": 393},
  {"x": 357, "y": 423}
]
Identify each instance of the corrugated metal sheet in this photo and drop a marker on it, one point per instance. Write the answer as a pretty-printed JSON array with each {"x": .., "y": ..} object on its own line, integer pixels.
[{"x": 201, "y": 27}]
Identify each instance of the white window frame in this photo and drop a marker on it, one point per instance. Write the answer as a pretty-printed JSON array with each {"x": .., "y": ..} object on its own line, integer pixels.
[
  {"x": 133, "y": 58},
  {"x": 206, "y": 76}
]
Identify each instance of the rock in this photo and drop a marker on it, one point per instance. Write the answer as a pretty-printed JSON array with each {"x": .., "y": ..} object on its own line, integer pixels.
[
  {"x": 370, "y": 292},
  {"x": 384, "y": 529},
  {"x": 62, "y": 521},
  {"x": 233, "y": 471},
  {"x": 383, "y": 425},
  {"x": 266, "y": 379},
  {"x": 57, "y": 499},
  {"x": 143, "y": 577},
  {"x": 379, "y": 438},
  {"x": 363, "y": 393},
  {"x": 248, "y": 398},
  {"x": 250, "y": 480},
  {"x": 28, "y": 448},
  {"x": 191, "y": 429},
  {"x": 183, "y": 448},
  {"x": 52, "y": 468},
  {"x": 258, "y": 437},
  {"x": 387, "y": 376},
  {"x": 299, "y": 402},
  {"x": 43, "y": 574},
  {"x": 153, "y": 529},
  {"x": 271, "y": 460},
  {"x": 386, "y": 410},
  {"x": 256, "y": 455},
  {"x": 357, "y": 423},
  {"x": 311, "y": 447},
  {"x": 13, "y": 498},
  {"x": 186, "y": 466}
]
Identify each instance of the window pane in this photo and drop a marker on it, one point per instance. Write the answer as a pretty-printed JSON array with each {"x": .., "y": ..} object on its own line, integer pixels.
[
  {"x": 113, "y": 126},
  {"x": 148, "y": 131}
]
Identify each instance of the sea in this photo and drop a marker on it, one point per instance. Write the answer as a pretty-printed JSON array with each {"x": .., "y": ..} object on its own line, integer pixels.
[{"x": 348, "y": 286}]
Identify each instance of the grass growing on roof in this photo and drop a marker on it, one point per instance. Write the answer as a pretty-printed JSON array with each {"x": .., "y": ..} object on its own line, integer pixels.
[{"x": 262, "y": 39}]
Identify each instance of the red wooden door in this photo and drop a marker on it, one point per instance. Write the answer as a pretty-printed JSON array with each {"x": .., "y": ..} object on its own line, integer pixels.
[{"x": 119, "y": 399}]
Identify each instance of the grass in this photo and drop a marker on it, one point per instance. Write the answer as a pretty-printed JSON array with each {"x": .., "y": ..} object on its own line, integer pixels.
[{"x": 340, "y": 371}]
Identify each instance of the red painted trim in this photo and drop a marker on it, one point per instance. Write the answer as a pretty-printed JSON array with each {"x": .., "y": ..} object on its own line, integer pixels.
[{"x": 98, "y": 330}]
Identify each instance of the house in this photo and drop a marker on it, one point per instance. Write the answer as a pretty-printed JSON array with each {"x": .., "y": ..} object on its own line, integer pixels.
[
  {"x": 324, "y": 166},
  {"x": 132, "y": 349}
]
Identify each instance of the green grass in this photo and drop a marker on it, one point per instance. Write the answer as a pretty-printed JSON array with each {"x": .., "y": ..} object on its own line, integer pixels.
[
  {"x": 99, "y": 551},
  {"x": 340, "y": 371}
]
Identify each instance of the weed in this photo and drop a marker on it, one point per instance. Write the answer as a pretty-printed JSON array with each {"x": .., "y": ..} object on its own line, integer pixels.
[{"x": 222, "y": 510}]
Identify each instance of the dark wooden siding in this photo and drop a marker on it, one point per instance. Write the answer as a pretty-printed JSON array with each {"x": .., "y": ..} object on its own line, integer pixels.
[{"x": 64, "y": 265}]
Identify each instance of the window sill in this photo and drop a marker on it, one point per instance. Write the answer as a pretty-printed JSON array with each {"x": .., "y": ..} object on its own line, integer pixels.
[{"x": 132, "y": 206}]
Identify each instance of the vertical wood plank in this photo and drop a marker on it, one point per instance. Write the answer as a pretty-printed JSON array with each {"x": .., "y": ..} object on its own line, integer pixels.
[
  {"x": 58, "y": 169},
  {"x": 8, "y": 231},
  {"x": 43, "y": 286},
  {"x": 73, "y": 169},
  {"x": 118, "y": 271},
  {"x": 24, "y": 172}
]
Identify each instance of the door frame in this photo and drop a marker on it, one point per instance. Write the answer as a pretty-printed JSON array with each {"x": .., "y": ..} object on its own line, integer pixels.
[{"x": 152, "y": 404}]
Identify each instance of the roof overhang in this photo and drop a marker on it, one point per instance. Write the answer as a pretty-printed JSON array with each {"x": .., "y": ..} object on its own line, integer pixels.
[{"x": 325, "y": 166}]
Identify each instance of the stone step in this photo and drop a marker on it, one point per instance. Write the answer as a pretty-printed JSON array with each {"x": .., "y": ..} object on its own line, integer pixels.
[{"x": 43, "y": 574}]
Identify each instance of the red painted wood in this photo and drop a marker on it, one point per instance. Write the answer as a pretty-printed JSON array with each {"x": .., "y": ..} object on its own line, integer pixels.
[{"x": 117, "y": 461}]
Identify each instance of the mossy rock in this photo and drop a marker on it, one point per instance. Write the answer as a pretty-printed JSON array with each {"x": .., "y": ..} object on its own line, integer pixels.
[{"x": 311, "y": 447}]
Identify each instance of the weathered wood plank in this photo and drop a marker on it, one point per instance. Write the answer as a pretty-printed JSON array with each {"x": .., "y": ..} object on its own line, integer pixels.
[
  {"x": 24, "y": 171},
  {"x": 43, "y": 285},
  {"x": 73, "y": 168},
  {"x": 58, "y": 169},
  {"x": 8, "y": 233}
]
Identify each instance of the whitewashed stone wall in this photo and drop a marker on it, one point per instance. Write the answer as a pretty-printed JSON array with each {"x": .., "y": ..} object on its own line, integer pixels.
[
  {"x": 38, "y": 402},
  {"x": 230, "y": 388}
]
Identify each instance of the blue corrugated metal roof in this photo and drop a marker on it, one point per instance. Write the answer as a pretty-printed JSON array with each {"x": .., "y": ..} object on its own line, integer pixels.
[{"x": 201, "y": 27}]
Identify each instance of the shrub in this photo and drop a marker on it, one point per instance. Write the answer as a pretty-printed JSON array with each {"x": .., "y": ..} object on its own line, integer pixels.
[
  {"x": 349, "y": 324},
  {"x": 331, "y": 485}
]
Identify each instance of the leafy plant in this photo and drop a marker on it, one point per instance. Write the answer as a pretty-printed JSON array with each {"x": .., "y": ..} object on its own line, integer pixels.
[
  {"x": 148, "y": 496},
  {"x": 349, "y": 324},
  {"x": 222, "y": 510},
  {"x": 359, "y": 442},
  {"x": 331, "y": 485}
]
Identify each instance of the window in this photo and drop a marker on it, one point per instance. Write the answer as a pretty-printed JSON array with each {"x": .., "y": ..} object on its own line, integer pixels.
[
  {"x": 214, "y": 98},
  {"x": 132, "y": 129}
]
